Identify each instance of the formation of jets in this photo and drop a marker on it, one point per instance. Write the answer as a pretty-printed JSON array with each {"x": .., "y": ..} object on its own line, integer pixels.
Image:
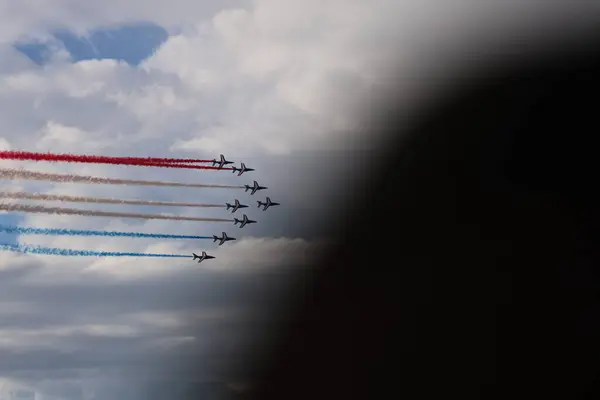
[{"x": 221, "y": 162}]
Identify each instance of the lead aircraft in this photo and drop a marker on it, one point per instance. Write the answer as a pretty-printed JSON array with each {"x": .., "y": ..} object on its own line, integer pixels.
[{"x": 222, "y": 162}]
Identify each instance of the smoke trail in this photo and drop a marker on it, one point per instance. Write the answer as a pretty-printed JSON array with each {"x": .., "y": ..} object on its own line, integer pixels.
[
  {"x": 14, "y": 174},
  {"x": 76, "y": 232},
  {"x": 101, "y": 200},
  {"x": 33, "y": 156},
  {"x": 153, "y": 164},
  {"x": 92, "y": 213},
  {"x": 162, "y": 165},
  {"x": 8, "y": 155},
  {"x": 81, "y": 253},
  {"x": 169, "y": 165}
]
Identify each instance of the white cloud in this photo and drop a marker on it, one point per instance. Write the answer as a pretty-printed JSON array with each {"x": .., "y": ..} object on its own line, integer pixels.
[
  {"x": 245, "y": 81},
  {"x": 67, "y": 138},
  {"x": 274, "y": 77},
  {"x": 35, "y": 17}
]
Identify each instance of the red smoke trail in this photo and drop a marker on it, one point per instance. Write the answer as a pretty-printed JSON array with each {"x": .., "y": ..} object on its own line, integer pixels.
[
  {"x": 28, "y": 155},
  {"x": 163, "y": 165},
  {"x": 136, "y": 161}
]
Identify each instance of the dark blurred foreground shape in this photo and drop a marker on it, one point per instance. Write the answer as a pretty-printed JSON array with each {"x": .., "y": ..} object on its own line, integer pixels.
[{"x": 486, "y": 284}]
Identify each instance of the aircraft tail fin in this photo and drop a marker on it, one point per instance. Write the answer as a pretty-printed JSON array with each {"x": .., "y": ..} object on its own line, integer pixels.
[{"x": 215, "y": 238}]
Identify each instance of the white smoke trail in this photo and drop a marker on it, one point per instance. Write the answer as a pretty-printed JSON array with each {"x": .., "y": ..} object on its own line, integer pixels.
[
  {"x": 102, "y": 200},
  {"x": 92, "y": 213},
  {"x": 16, "y": 174}
]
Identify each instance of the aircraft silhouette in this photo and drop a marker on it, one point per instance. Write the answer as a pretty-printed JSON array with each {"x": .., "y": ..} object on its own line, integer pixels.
[
  {"x": 201, "y": 258},
  {"x": 268, "y": 203},
  {"x": 243, "y": 221},
  {"x": 222, "y": 239},
  {"x": 241, "y": 170},
  {"x": 255, "y": 187},
  {"x": 236, "y": 206},
  {"x": 222, "y": 162}
]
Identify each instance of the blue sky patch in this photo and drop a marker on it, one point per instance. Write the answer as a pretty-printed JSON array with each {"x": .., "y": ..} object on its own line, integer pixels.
[
  {"x": 131, "y": 43},
  {"x": 9, "y": 219}
]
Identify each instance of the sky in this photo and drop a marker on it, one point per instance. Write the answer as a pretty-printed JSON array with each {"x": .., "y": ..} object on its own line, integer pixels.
[
  {"x": 175, "y": 80},
  {"x": 282, "y": 85}
]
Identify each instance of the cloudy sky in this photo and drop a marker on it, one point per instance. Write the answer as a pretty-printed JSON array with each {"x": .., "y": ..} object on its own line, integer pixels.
[{"x": 278, "y": 84}]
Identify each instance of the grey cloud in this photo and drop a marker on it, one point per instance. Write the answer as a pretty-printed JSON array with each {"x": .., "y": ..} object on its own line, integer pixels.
[
  {"x": 13, "y": 273},
  {"x": 226, "y": 314}
]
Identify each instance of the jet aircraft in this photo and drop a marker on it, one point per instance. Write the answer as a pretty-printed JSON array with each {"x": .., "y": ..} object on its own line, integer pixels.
[
  {"x": 201, "y": 258},
  {"x": 243, "y": 221},
  {"x": 241, "y": 170},
  {"x": 268, "y": 203},
  {"x": 235, "y": 206},
  {"x": 222, "y": 162},
  {"x": 222, "y": 239},
  {"x": 254, "y": 188}
]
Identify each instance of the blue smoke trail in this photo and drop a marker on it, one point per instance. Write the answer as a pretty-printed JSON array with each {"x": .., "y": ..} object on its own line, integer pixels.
[
  {"x": 74, "y": 232},
  {"x": 81, "y": 253}
]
